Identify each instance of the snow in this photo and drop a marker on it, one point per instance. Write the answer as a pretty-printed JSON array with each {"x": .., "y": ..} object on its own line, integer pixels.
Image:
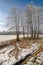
[
  {"x": 8, "y": 59},
  {"x": 7, "y": 48},
  {"x": 31, "y": 59},
  {"x": 27, "y": 51},
  {"x": 39, "y": 60},
  {"x": 4, "y": 53},
  {"x": 7, "y": 37}
]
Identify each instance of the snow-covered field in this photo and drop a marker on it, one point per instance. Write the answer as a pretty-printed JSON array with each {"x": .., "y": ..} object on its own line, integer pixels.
[
  {"x": 37, "y": 61},
  {"x": 8, "y": 54},
  {"x": 8, "y": 37}
]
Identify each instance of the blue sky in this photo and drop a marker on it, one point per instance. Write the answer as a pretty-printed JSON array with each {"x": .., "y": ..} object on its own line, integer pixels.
[{"x": 6, "y": 5}]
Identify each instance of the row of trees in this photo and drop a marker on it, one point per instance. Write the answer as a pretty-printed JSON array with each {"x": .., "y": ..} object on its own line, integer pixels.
[
  {"x": 29, "y": 19},
  {"x": 34, "y": 17}
]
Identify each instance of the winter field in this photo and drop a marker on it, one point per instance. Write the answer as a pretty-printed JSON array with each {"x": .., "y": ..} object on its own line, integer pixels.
[
  {"x": 6, "y": 37},
  {"x": 12, "y": 53},
  {"x": 10, "y": 37},
  {"x": 21, "y": 32}
]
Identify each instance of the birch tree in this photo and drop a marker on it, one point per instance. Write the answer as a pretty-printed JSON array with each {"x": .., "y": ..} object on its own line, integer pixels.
[
  {"x": 29, "y": 20},
  {"x": 13, "y": 20}
]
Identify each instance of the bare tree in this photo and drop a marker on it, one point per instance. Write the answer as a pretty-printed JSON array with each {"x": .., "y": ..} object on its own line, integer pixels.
[
  {"x": 40, "y": 18},
  {"x": 29, "y": 20},
  {"x": 13, "y": 20},
  {"x": 33, "y": 19},
  {"x": 22, "y": 20},
  {"x": 30, "y": 17}
]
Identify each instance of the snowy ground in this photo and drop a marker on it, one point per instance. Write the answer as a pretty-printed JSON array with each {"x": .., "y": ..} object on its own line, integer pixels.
[
  {"x": 37, "y": 61},
  {"x": 12, "y": 54},
  {"x": 8, "y": 37}
]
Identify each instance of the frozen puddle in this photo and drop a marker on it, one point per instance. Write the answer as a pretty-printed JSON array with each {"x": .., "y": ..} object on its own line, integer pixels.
[{"x": 9, "y": 59}]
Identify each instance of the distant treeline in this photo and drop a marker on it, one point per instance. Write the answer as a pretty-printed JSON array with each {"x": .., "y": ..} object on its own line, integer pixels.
[
  {"x": 7, "y": 33},
  {"x": 13, "y": 33}
]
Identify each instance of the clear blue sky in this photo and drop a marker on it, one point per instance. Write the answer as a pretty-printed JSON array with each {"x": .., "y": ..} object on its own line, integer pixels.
[{"x": 5, "y": 6}]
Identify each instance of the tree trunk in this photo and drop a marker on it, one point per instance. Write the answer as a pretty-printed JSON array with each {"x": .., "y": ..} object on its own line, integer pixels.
[
  {"x": 17, "y": 36},
  {"x": 23, "y": 32},
  {"x": 31, "y": 28},
  {"x": 38, "y": 26},
  {"x": 32, "y": 33},
  {"x": 27, "y": 31},
  {"x": 35, "y": 33}
]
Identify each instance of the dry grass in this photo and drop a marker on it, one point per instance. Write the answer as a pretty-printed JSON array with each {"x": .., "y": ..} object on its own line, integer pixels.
[{"x": 23, "y": 43}]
